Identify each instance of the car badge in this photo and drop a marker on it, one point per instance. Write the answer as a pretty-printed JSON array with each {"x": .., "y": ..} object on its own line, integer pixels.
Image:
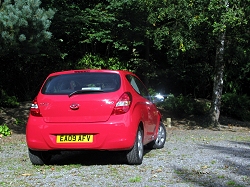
[{"x": 74, "y": 106}]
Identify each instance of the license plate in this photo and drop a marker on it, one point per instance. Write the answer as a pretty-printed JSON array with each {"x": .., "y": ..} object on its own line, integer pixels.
[{"x": 74, "y": 138}]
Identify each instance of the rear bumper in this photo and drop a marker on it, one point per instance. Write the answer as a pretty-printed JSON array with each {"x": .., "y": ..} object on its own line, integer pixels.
[{"x": 106, "y": 136}]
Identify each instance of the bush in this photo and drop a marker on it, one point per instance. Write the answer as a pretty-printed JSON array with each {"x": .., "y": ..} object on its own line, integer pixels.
[
  {"x": 233, "y": 105},
  {"x": 236, "y": 106},
  {"x": 185, "y": 105},
  {"x": 4, "y": 130},
  {"x": 202, "y": 106},
  {"x": 8, "y": 101}
]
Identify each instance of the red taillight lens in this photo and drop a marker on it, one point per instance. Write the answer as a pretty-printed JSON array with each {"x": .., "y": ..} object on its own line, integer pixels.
[
  {"x": 34, "y": 109},
  {"x": 123, "y": 104}
]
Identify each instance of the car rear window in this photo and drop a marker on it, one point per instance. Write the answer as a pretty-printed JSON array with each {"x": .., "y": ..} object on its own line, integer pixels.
[{"x": 91, "y": 81}]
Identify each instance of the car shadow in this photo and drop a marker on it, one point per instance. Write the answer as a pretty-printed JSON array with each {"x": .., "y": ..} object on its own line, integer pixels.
[
  {"x": 87, "y": 158},
  {"x": 91, "y": 157}
]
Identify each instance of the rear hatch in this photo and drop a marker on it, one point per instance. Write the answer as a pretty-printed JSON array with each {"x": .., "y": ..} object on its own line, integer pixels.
[
  {"x": 79, "y": 98},
  {"x": 79, "y": 108}
]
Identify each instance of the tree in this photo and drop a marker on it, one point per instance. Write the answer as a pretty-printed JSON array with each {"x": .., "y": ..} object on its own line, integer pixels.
[
  {"x": 182, "y": 26},
  {"x": 24, "y": 25},
  {"x": 108, "y": 29},
  {"x": 24, "y": 29},
  {"x": 229, "y": 18}
]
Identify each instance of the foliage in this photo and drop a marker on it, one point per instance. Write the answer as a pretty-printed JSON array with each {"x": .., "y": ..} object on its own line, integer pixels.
[
  {"x": 185, "y": 105},
  {"x": 80, "y": 27},
  {"x": 233, "y": 105},
  {"x": 24, "y": 29},
  {"x": 23, "y": 25},
  {"x": 8, "y": 101},
  {"x": 170, "y": 45},
  {"x": 4, "y": 130},
  {"x": 90, "y": 61},
  {"x": 186, "y": 28},
  {"x": 236, "y": 106},
  {"x": 151, "y": 92}
]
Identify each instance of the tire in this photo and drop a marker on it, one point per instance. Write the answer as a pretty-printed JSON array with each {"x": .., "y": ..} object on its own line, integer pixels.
[
  {"x": 135, "y": 155},
  {"x": 160, "y": 140},
  {"x": 39, "y": 157}
]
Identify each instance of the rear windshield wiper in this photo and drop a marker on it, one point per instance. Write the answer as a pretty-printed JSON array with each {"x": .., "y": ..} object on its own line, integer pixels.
[{"x": 85, "y": 90}]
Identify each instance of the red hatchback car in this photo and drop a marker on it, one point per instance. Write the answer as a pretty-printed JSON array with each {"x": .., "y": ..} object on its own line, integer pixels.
[{"x": 93, "y": 110}]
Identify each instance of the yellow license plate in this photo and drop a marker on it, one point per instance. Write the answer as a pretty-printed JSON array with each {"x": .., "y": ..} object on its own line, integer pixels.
[{"x": 74, "y": 138}]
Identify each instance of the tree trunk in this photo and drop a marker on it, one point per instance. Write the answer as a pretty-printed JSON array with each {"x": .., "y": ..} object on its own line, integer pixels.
[{"x": 218, "y": 82}]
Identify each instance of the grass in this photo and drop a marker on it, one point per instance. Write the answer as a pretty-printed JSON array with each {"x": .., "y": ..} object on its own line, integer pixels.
[
  {"x": 179, "y": 172},
  {"x": 221, "y": 176},
  {"x": 241, "y": 138},
  {"x": 200, "y": 136},
  {"x": 213, "y": 162},
  {"x": 233, "y": 184},
  {"x": 135, "y": 179}
]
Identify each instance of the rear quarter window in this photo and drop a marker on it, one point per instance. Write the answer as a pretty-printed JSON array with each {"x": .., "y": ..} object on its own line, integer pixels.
[
  {"x": 138, "y": 86},
  {"x": 67, "y": 83}
]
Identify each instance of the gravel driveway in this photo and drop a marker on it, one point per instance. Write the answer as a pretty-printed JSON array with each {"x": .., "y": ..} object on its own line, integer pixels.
[{"x": 189, "y": 158}]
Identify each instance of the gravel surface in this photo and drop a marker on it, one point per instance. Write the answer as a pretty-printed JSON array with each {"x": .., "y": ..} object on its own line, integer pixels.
[{"x": 198, "y": 157}]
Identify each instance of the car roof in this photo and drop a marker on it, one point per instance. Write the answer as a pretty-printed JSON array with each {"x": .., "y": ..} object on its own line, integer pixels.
[{"x": 124, "y": 72}]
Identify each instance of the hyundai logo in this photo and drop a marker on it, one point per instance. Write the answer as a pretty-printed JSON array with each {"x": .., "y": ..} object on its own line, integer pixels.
[{"x": 74, "y": 106}]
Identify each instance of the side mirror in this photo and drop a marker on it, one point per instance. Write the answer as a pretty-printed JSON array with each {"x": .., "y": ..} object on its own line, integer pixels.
[{"x": 158, "y": 98}]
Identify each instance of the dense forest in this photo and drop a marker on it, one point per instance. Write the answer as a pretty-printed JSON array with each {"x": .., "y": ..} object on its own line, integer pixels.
[{"x": 186, "y": 48}]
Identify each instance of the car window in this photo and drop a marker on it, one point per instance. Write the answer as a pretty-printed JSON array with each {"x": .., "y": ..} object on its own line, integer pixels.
[
  {"x": 138, "y": 86},
  {"x": 66, "y": 83}
]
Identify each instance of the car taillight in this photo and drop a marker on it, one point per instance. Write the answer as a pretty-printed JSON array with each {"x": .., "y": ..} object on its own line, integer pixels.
[
  {"x": 123, "y": 104},
  {"x": 34, "y": 109}
]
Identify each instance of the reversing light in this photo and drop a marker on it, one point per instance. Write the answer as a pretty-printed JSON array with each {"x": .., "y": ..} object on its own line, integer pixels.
[
  {"x": 34, "y": 109},
  {"x": 123, "y": 104}
]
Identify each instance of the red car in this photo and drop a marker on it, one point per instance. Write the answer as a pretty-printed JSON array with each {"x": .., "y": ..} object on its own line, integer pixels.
[{"x": 93, "y": 110}]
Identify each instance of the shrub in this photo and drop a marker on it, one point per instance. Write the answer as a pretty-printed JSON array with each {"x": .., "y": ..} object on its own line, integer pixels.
[
  {"x": 185, "y": 105},
  {"x": 4, "y": 130},
  {"x": 233, "y": 105},
  {"x": 236, "y": 106},
  {"x": 201, "y": 106},
  {"x": 8, "y": 101}
]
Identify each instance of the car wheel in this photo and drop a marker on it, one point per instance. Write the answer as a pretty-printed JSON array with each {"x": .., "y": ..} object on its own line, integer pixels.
[
  {"x": 160, "y": 140},
  {"x": 135, "y": 155},
  {"x": 39, "y": 157}
]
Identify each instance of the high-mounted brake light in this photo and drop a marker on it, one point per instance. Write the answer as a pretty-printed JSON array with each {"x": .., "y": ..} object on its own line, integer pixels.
[
  {"x": 123, "y": 104},
  {"x": 34, "y": 109},
  {"x": 81, "y": 71}
]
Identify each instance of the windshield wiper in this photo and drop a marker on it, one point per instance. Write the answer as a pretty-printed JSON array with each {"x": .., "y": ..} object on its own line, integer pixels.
[{"x": 84, "y": 91}]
